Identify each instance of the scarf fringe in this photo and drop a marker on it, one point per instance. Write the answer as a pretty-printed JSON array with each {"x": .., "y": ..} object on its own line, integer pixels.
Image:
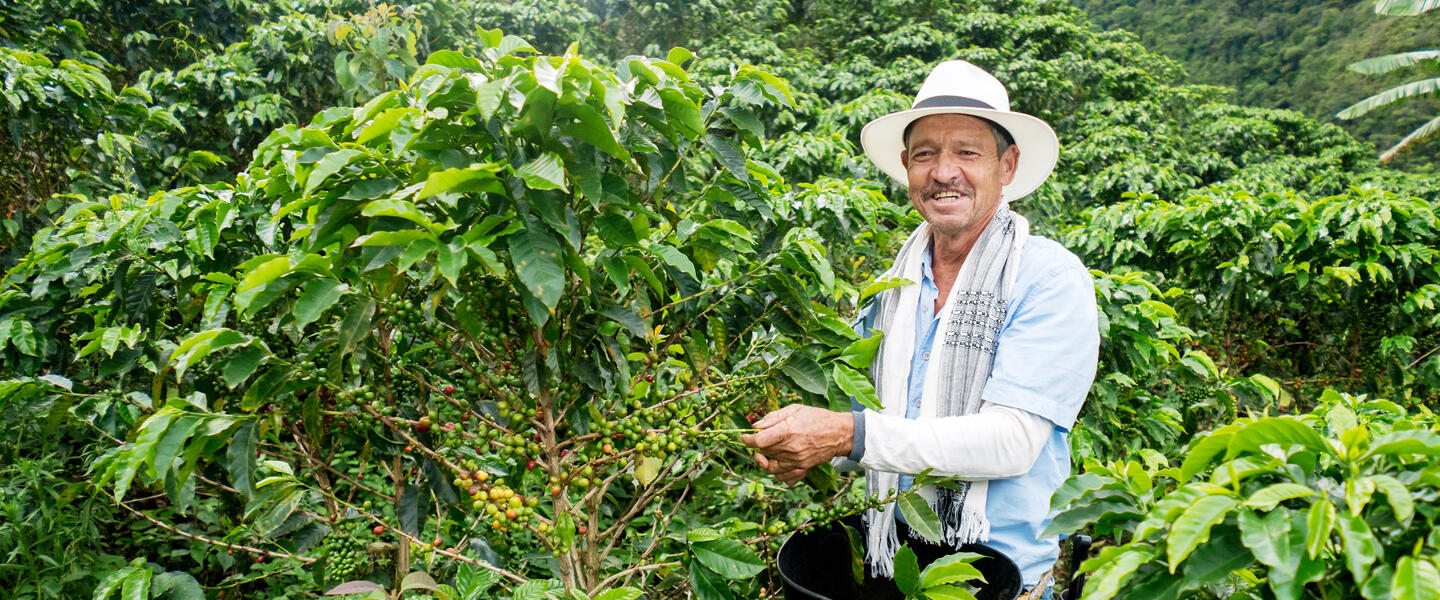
[{"x": 882, "y": 543}]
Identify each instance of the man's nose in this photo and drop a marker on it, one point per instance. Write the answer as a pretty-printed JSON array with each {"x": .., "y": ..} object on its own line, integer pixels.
[{"x": 948, "y": 170}]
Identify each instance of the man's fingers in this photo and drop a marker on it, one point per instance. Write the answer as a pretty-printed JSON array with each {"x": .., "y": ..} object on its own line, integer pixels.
[
  {"x": 768, "y": 438},
  {"x": 762, "y": 460},
  {"x": 774, "y": 418},
  {"x": 793, "y": 477}
]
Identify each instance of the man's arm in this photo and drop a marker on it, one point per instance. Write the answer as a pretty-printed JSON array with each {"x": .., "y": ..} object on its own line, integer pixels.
[{"x": 995, "y": 443}]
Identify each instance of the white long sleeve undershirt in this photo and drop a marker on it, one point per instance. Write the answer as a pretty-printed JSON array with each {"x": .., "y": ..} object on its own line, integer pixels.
[{"x": 995, "y": 443}]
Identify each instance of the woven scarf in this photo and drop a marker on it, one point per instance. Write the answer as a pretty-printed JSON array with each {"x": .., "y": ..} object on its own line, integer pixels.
[{"x": 963, "y": 354}]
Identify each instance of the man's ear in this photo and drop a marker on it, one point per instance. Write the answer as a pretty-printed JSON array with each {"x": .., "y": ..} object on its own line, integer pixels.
[
  {"x": 905, "y": 158},
  {"x": 1008, "y": 163}
]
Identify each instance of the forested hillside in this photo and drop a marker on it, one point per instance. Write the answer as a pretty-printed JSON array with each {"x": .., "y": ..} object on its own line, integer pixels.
[
  {"x": 472, "y": 299},
  {"x": 1289, "y": 55}
]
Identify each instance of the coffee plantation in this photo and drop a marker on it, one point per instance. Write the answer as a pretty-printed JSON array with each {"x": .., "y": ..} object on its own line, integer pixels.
[{"x": 369, "y": 299}]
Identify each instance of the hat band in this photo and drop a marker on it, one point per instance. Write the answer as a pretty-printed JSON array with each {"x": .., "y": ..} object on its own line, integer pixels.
[{"x": 961, "y": 101}]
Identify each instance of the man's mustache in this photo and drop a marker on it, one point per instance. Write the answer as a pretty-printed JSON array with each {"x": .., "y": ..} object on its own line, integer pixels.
[{"x": 931, "y": 190}]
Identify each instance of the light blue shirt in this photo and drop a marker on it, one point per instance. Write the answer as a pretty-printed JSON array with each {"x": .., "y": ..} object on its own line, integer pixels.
[{"x": 1044, "y": 364}]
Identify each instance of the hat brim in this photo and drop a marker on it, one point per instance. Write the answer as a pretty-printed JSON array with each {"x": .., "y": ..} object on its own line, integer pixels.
[{"x": 883, "y": 141}]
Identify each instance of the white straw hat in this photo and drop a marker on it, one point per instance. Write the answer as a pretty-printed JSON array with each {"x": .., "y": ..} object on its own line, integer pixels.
[{"x": 958, "y": 87}]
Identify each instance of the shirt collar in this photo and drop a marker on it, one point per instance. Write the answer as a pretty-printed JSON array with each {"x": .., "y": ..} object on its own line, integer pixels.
[{"x": 925, "y": 271}]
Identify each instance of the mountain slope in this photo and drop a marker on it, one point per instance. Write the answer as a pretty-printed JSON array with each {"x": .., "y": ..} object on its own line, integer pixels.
[{"x": 1288, "y": 54}]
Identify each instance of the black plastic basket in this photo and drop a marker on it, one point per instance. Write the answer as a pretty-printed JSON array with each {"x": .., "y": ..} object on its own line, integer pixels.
[{"x": 816, "y": 565}]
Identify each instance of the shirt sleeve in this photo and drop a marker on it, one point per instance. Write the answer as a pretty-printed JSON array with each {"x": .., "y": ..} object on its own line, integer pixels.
[
  {"x": 1046, "y": 358},
  {"x": 996, "y": 443}
]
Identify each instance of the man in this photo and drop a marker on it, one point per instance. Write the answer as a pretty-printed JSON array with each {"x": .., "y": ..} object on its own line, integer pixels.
[{"x": 1008, "y": 319}]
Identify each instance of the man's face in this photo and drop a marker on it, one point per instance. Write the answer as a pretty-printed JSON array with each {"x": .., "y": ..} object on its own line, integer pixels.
[{"x": 955, "y": 174}]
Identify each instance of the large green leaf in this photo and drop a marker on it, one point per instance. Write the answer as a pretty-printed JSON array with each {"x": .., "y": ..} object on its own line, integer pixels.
[
  {"x": 402, "y": 209},
  {"x": 178, "y": 585},
  {"x": 590, "y": 126},
  {"x": 920, "y": 517},
  {"x": 111, "y": 582},
  {"x": 1319, "y": 524},
  {"x": 1424, "y": 131},
  {"x": 880, "y": 285},
  {"x": 1268, "y": 538},
  {"x": 169, "y": 444},
  {"x": 805, "y": 372},
  {"x": 682, "y": 112},
  {"x": 675, "y": 258},
  {"x": 620, "y": 593},
  {"x": 729, "y": 558},
  {"x": 330, "y": 165},
  {"x": 240, "y": 458},
  {"x": 137, "y": 585},
  {"x": 1214, "y": 561},
  {"x": 1390, "y": 96},
  {"x": 1390, "y": 62},
  {"x": 202, "y": 344},
  {"x": 856, "y": 385},
  {"x": 947, "y": 592},
  {"x": 1400, "y": 443},
  {"x": 708, "y": 585},
  {"x": 953, "y": 568},
  {"x": 1192, "y": 528},
  {"x": 861, "y": 353},
  {"x": 538, "y": 263},
  {"x": 728, "y": 156},
  {"x": 316, "y": 296},
  {"x": 471, "y": 178},
  {"x": 1112, "y": 567},
  {"x": 544, "y": 173},
  {"x": 1405, "y": 7},
  {"x": 1402, "y": 504},
  {"x": 242, "y": 364},
  {"x": 383, "y": 123},
  {"x": 1271, "y": 495},
  {"x": 615, "y": 230},
  {"x": 1282, "y": 431},
  {"x": 1084, "y": 514},
  {"x": 1415, "y": 579},
  {"x": 1278, "y": 541},
  {"x": 907, "y": 571},
  {"x": 1201, "y": 455},
  {"x": 1361, "y": 547}
]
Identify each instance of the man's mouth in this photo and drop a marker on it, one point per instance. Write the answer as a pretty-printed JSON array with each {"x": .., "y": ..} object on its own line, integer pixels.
[{"x": 944, "y": 197}]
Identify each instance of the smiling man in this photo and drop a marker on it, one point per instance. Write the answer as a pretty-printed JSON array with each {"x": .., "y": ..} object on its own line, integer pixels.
[{"x": 986, "y": 358}]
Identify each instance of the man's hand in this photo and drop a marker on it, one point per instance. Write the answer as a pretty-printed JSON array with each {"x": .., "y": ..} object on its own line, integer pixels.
[{"x": 798, "y": 437}]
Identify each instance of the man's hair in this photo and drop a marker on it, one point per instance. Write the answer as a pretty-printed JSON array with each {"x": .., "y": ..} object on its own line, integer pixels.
[{"x": 1003, "y": 139}]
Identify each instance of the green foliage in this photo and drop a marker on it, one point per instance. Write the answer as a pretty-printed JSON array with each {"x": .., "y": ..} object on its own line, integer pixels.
[
  {"x": 1409, "y": 90},
  {"x": 337, "y": 274},
  {"x": 575, "y": 230},
  {"x": 1290, "y": 55},
  {"x": 944, "y": 579},
  {"x": 1336, "y": 503},
  {"x": 1315, "y": 290},
  {"x": 48, "y": 517}
]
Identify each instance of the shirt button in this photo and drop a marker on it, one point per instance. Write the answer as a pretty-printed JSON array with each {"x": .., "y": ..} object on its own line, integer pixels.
[{"x": 927, "y": 356}]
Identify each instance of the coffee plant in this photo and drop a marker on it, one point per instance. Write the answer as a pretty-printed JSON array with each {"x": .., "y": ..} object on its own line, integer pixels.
[
  {"x": 1340, "y": 502},
  {"x": 504, "y": 316},
  {"x": 328, "y": 295},
  {"x": 1315, "y": 290}
]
